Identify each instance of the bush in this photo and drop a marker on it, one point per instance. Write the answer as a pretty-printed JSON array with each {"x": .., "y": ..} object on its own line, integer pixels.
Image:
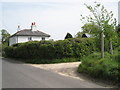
[
  {"x": 107, "y": 68},
  {"x": 83, "y": 46},
  {"x": 63, "y": 48},
  {"x": 49, "y": 50},
  {"x": 46, "y": 61}
]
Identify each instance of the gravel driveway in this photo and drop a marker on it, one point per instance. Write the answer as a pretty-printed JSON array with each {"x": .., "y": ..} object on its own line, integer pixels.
[{"x": 68, "y": 69}]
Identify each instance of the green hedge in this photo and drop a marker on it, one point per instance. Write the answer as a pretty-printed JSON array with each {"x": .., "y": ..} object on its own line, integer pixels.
[
  {"x": 83, "y": 46},
  {"x": 68, "y": 48},
  {"x": 107, "y": 68},
  {"x": 63, "y": 48}
]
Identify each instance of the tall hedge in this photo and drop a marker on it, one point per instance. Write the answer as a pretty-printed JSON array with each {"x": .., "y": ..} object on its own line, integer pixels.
[
  {"x": 83, "y": 46},
  {"x": 63, "y": 48},
  {"x": 74, "y": 47}
]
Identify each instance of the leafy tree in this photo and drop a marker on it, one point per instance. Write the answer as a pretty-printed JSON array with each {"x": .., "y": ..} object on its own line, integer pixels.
[
  {"x": 118, "y": 29},
  {"x": 118, "y": 32},
  {"x": 79, "y": 34},
  {"x": 104, "y": 21},
  {"x": 5, "y": 36},
  {"x": 68, "y": 36},
  {"x": 91, "y": 28}
]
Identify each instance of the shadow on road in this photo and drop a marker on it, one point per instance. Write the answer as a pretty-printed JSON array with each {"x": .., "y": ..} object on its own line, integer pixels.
[{"x": 12, "y": 61}]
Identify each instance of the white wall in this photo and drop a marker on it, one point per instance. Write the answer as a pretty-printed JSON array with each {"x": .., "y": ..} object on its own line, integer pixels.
[
  {"x": 21, "y": 39},
  {"x": 25, "y": 38},
  {"x": 36, "y": 38},
  {"x": 46, "y": 38},
  {"x": 12, "y": 40}
]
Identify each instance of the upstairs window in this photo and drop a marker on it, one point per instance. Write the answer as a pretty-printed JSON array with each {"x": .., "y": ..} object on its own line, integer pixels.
[{"x": 29, "y": 38}]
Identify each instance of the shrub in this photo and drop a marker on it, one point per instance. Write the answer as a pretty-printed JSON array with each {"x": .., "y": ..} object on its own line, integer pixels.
[
  {"x": 9, "y": 51},
  {"x": 48, "y": 50},
  {"x": 63, "y": 48},
  {"x": 83, "y": 46},
  {"x": 107, "y": 68}
]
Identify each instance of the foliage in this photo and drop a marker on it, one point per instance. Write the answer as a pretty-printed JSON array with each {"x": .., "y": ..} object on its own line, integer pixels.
[
  {"x": 83, "y": 46},
  {"x": 63, "y": 48},
  {"x": 5, "y": 36},
  {"x": 100, "y": 17},
  {"x": 106, "y": 68},
  {"x": 79, "y": 34},
  {"x": 51, "y": 50},
  {"x": 92, "y": 29},
  {"x": 4, "y": 40},
  {"x": 118, "y": 30},
  {"x": 46, "y": 61},
  {"x": 100, "y": 21},
  {"x": 68, "y": 36}
]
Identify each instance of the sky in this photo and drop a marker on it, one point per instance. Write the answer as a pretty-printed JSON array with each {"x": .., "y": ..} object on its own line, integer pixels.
[
  {"x": 119, "y": 12},
  {"x": 54, "y": 17}
]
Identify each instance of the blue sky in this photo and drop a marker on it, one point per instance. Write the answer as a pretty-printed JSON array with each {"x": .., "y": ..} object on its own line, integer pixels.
[{"x": 53, "y": 17}]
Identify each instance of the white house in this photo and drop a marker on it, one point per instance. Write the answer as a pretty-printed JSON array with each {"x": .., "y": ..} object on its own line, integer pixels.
[
  {"x": 86, "y": 35},
  {"x": 28, "y": 35}
]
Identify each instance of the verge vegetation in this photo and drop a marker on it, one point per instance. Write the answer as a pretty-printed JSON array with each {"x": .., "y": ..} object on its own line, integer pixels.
[{"x": 107, "y": 68}]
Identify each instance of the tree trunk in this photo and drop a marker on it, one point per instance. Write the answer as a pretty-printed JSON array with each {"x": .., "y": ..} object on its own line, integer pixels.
[
  {"x": 111, "y": 48},
  {"x": 102, "y": 45}
]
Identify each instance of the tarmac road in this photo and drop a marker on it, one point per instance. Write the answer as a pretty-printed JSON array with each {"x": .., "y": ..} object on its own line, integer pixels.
[{"x": 19, "y": 75}]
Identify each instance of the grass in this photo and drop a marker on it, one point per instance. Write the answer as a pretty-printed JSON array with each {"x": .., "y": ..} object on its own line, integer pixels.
[{"x": 107, "y": 68}]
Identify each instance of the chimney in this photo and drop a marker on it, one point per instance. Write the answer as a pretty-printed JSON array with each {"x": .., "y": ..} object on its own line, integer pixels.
[
  {"x": 33, "y": 26},
  {"x": 18, "y": 29}
]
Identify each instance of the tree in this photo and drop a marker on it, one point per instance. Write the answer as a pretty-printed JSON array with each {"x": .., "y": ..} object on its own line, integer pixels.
[
  {"x": 118, "y": 30},
  {"x": 68, "y": 36},
  {"x": 5, "y": 36},
  {"x": 89, "y": 28},
  {"x": 104, "y": 21},
  {"x": 79, "y": 34},
  {"x": 92, "y": 29},
  {"x": 118, "y": 33}
]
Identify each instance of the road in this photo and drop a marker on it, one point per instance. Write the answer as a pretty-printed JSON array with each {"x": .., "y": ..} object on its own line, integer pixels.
[{"x": 19, "y": 75}]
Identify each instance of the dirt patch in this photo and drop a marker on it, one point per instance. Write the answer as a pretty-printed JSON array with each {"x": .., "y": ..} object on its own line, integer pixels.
[{"x": 68, "y": 69}]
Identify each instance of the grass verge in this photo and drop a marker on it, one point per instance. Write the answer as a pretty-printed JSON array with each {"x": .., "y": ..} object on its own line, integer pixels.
[{"x": 107, "y": 68}]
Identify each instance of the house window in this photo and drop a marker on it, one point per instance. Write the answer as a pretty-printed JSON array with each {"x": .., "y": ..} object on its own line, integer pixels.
[
  {"x": 29, "y": 38},
  {"x": 43, "y": 38}
]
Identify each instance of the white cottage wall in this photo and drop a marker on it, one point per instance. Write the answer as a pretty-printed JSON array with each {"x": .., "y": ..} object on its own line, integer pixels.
[
  {"x": 46, "y": 38},
  {"x": 12, "y": 40},
  {"x": 22, "y": 39},
  {"x": 36, "y": 38}
]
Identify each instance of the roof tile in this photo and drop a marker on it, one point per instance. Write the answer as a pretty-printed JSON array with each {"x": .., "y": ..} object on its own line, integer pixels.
[{"x": 29, "y": 32}]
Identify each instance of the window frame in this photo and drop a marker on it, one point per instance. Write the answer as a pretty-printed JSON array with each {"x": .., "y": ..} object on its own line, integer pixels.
[
  {"x": 43, "y": 38},
  {"x": 29, "y": 38}
]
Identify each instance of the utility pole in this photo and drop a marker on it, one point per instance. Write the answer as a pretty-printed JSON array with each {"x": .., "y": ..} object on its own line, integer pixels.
[{"x": 102, "y": 44}]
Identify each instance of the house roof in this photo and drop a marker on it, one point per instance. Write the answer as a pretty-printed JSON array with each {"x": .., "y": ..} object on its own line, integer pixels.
[
  {"x": 86, "y": 35},
  {"x": 29, "y": 32}
]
